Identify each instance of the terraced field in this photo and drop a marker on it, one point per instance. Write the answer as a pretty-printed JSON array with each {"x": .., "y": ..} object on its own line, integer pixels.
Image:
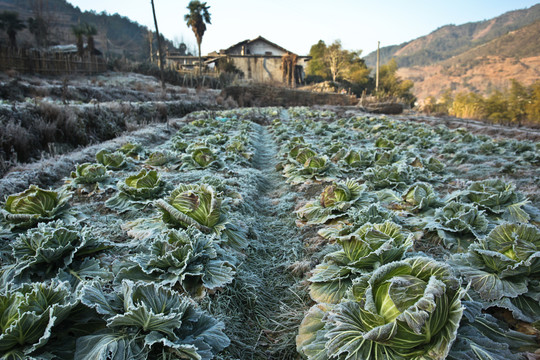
[{"x": 271, "y": 233}]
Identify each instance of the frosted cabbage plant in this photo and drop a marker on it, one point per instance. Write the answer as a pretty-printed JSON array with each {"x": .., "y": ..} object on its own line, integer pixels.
[
  {"x": 369, "y": 247},
  {"x": 34, "y": 205},
  {"x": 30, "y": 315},
  {"x": 408, "y": 309},
  {"x": 200, "y": 206},
  {"x": 504, "y": 263},
  {"x": 187, "y": 258},
  {"x": 335, "y": 201},
  {"x": 148, "y": 320},
  {"x": 137, "y": 191}
]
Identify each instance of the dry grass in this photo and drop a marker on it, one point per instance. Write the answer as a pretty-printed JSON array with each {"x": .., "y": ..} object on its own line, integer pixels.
[{"x": 29, "y": 129}]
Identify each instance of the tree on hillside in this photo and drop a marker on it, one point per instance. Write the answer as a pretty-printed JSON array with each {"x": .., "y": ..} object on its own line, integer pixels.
[
  {"x": 469, "y": 105},
  {"x": 196, "y": 19},
  {"x": 39, "y": 28},
  {"x": 11, "y": 24},
  {"x": 533, "y": 108},
  {"x": 392, "y": 85},
  {"x": 518, "y": 98},
  {"x": 496, "y": 107},
  {"x": 516, "y": 104}
]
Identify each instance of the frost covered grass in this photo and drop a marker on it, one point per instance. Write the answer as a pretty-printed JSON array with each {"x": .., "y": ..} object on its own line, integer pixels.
[
  {"x": 33, "y": 129},
  {"x": 40, "y": 115}
]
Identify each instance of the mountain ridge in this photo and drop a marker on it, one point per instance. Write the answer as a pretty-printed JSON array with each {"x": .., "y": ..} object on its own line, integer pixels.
[{"x": 451, "y": 40}]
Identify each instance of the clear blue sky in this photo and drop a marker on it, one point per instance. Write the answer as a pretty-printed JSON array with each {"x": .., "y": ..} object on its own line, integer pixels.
[{"x": 298, "y": 24}]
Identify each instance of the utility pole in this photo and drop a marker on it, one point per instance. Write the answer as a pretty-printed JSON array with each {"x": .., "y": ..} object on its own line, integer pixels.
[
  {"x": 159, "y": 50},
  {"x": 377, "y": 69}
]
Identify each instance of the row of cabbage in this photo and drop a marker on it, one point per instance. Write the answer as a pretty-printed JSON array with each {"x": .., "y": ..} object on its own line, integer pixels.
[
  {"x": 112, "y": 264},
  {"x": 420, "y": 264}
]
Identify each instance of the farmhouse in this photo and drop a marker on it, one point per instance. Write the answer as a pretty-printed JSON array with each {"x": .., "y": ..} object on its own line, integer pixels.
[{"x": 259, "y": 60}]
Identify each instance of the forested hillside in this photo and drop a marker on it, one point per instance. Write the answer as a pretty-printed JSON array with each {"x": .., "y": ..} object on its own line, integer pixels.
[{"x": 116, "y": 35}]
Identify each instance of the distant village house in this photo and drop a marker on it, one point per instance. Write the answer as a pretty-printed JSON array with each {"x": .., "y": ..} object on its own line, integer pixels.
[{"x": 259, "y": 60}]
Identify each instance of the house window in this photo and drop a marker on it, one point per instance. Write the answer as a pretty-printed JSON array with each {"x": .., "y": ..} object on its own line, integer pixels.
[{"x": 267, "y": 53}]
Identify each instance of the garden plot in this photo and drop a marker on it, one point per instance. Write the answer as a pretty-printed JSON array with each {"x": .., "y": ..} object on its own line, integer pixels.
[
  {"x": 414, "y": 255},
  {"x": 254, "y": 233}
]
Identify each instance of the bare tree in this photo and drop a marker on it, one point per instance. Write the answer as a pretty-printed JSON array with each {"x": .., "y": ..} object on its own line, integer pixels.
[{"x": 336, "y": 59}]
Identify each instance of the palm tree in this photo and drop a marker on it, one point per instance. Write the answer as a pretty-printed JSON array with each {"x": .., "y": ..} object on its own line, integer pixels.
[
  {"x": 39, "y": 28},
  {"x": 196, "y": 19},
  {"x": 79, "y": 31},
  {"x": 90, "y": 32},
  {"x": 10, "y": 22}
]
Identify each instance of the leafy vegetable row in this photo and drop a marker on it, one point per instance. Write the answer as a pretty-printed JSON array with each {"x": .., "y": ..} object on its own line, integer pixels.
[
  {"x": 378, "y": 296},
  {"x": 112, "y": 264}
]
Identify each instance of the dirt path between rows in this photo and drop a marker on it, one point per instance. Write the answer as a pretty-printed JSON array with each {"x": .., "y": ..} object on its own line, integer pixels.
[{"x": 265, "y": 303}]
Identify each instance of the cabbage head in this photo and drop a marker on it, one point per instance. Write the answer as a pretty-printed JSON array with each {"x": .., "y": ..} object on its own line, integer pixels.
[
  {"x": 456, "y": 220},
  {"x": 200, "y": 157},
  {"x": 367, "y": 248},
  {"x": 358, "y": 217},
  {"x": 307, "y": 165},
  {"x": 52, "y": 246},
  {"x": 29, "y": 314},
  {"x": 158, "y": 158},
  {"x": 394, "y": 176},
  {"x": 504, "y": 263},
  {"x": 111, "y": 160},
  {"x": 147, "y": 184},
  {"x": 499, "y": 198},
  {"x": 433, "y": 164},
  {"x": 203, "y": 156},
  {"x": 384, "y": 143},
  {"x": 142, "y": 317},
  {"x": 131, "y": 149},
  {"x": 408, "y": 309},
  {"x": 187, "y": 258},
  {"x": 354, "y": 159},
  {"x": 420, "y": 196},
  {"x": 88, "y": 173},
  {"x": 383, "y": 158},
  {"x": 34, "y": 205},
  {"x": 137, "y": 191},
  {"x": 334, "y": 202},
  {"x": 200, "y": 206}
]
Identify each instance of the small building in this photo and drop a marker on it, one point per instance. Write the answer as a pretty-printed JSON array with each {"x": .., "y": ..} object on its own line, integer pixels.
[
  {"x": 259, "y": 60},
  {"x": 179, "y": 61}
]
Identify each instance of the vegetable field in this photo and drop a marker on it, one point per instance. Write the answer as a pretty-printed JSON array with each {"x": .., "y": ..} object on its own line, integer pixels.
[{"x": 271, "y": 233}]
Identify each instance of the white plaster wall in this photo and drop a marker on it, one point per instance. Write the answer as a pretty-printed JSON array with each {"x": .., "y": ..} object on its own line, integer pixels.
[
  {"x": 260, "y": 48},
  {"x": 259, "y": 69}
]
